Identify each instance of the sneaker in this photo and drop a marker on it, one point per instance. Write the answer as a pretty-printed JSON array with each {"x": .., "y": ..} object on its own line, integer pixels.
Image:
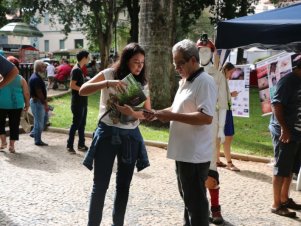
[
  {"x": 216, "y": 216},
  {"x": 82, "y": 148},
  {"x": 41, "y": 144},
  {"x": 71, "y": 150},
  {"x": 291, "y": 204}
]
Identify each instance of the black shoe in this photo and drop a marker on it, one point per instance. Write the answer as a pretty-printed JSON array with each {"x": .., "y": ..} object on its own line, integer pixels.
[
  {"x": 283, "y": 211},
  {"x": 31, "y": 135},
  {"x": 82, "y": 148},
  {"x": 216, "y": 216},
  {"x": 41, "y": 144},
  {"x": 71, "y": 150},
  {"x": 291, "y": 204}
]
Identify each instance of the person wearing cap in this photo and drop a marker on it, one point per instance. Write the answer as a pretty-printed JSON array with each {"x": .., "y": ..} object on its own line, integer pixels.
[
  {"x": 8, "y": 71},
  {"x": 206, "y": 50},
  {"x": 285, "y": 128},
  {"x": 190, "y": 141},
  {"x": 14, "y": 98}
]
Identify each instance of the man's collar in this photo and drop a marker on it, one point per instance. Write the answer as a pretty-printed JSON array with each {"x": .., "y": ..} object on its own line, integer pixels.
[{"x": 193, "y": 76}]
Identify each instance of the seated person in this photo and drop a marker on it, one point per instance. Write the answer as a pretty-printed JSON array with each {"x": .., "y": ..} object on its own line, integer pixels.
[
  {"x": 50, "y": 74},
  {"x": 62, "y": 73}
]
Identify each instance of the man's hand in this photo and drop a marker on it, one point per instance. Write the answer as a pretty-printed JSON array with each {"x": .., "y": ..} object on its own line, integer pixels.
[
  {"x": 149, "y": 115},
  {"x": 163, "y": 115},
  {"x": 285, "y": 136}
]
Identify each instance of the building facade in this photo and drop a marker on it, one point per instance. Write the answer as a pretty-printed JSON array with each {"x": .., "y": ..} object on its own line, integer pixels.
[{"x": 55, "y": 40}]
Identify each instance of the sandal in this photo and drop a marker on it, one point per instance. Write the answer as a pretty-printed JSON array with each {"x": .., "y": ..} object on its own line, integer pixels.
[
  {"x": 220, "y": 164},
  {"x": 231, "y": 167},
  {"x": 11, "y": 149},
  {"x": 3, "y": 146},
  {"x": 283, "y": 211}
]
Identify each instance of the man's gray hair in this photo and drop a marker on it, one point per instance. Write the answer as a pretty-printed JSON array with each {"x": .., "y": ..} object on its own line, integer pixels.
[
  {"x": 187, "y": 48},
  {"x": 37, "y": 65}
]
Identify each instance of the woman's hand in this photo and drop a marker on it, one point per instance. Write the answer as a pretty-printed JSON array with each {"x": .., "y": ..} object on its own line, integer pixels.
[
  {"x": 125, "y": 109},
  {"x": 117, "y": 84},
  {"x": 26, "y": 108}
]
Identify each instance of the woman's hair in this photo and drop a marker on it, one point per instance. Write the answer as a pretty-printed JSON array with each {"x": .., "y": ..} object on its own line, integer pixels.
[
  {"x": 121, "y": 66},
  {"x": 14, "y": 60},
  {"x": 228, "y": 66}
]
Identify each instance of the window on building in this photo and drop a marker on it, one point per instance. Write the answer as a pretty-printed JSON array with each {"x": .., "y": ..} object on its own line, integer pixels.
[
  {"x": 62, "y": 44},
  {"x": 78, "y": 43},
  {"x": 46, "y": 45},
  {"x": 46, "y": 18}
]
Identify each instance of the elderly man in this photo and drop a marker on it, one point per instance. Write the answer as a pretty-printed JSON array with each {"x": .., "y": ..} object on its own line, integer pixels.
[
  {"x": 38, "y": 101},
  {"x": 8, "y": 71},
  {"x": 190, "y": 142}
]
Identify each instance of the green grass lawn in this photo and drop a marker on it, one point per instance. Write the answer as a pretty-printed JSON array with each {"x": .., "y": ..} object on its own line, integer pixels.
[{"x": 251, "y": 134}]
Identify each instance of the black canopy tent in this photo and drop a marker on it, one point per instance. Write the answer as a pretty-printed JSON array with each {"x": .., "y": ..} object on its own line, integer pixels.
[{"x": 274, "y": 29}]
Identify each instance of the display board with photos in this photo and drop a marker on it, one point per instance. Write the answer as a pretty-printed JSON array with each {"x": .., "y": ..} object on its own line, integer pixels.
[
  {"x": 269, "y": 72},
  {"x": 240, "y": 82}
]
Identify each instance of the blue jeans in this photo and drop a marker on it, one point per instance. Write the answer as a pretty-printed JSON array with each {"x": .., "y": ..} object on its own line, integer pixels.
[
  {"x": 103, "y": 164},
  {"x": 191, "y": 183},
  {"x": 78, "y": 123},
  {"x": 38, "y": 111}
]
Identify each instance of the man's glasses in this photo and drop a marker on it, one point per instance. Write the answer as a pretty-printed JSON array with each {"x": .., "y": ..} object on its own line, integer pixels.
[{"x": 180, "y": 64}]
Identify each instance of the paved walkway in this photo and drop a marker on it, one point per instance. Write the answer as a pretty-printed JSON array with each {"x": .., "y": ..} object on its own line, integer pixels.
[{"x": 47, "y": 186}]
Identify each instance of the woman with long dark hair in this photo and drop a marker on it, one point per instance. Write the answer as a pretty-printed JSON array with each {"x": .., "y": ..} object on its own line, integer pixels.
[{"x": 117, "y": 133}]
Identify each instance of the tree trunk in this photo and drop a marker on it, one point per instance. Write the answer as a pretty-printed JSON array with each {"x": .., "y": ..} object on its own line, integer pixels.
[
  {"x": 155, "y": 37},
  {"x": 133, "y": 9}
]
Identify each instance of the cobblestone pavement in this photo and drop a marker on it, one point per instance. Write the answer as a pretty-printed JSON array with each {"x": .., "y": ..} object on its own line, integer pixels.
[{"x": 48, "y": 186}]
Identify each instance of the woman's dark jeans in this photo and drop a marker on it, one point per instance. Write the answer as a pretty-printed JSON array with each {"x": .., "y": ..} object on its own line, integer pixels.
[
  {"x": 103, "y": 164},
  {"x": 118, "y": 136},
  {"x": 78, "y": 123}
]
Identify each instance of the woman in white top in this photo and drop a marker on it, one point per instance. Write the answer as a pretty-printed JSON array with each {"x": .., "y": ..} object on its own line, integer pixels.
[
  {"x": 117, "y": 133},
  {"x": 228, "y": 69}
]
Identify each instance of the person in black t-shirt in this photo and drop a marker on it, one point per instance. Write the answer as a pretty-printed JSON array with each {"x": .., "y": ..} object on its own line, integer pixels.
[
  {"x": 78, "y": 104},
  {"x": 285, "y": 128}
]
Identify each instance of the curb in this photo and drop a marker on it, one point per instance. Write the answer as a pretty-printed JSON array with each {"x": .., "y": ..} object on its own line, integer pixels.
[
  {"x": 163, "y": 145},
  {"x": 63, "y": 93}
]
